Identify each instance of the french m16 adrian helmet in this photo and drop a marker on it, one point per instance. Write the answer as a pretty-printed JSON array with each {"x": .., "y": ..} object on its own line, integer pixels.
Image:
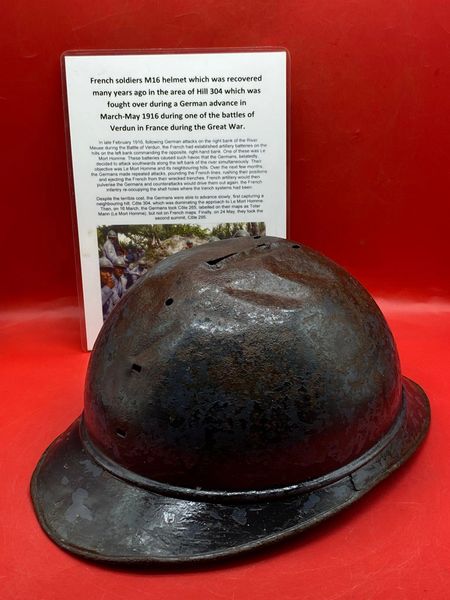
[
  {"x": 239, "y": 393},
  {"x": 105, "y": 263}
]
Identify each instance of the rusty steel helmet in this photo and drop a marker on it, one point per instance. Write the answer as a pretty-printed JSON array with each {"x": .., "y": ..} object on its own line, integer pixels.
[{"x": 239, "y": 393}]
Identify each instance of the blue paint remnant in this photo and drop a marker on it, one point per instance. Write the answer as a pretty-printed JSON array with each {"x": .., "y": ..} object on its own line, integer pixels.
[
  {"x": 90, "y": 467},
  {"x": 311, "y": 502},
  {"x": 78, "y": 509},
  {"x": 239, "y": 515},
  {"x": 168, "y": 517}
]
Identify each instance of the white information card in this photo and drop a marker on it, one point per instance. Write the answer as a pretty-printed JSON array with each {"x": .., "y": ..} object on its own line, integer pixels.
[{"x": 171, "y": 150}]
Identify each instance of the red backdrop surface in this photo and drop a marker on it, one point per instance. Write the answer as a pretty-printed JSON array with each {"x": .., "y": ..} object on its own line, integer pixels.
[{"x": 370, "y": 180}]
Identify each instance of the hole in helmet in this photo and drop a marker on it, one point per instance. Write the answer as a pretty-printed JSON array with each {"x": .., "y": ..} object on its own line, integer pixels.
[
  {"x": 295, "y": 246},
  {"x": 121, "y": 432},
  {"x": 263, "y": 246},
  {"x": 215, "y": 261},
  {"x": 256, "y": 237},
  {"x": 169, "y": 301},
  {"x": 136, "y": 367}
]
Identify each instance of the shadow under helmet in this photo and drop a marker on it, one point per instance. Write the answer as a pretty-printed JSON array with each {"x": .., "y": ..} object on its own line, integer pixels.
[{"x": 240, "y": 392}]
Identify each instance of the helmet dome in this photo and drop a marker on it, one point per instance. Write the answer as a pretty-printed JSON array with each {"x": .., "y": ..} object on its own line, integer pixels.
[
  {"x": 254, "y": 365},
  {"x": 238, "y": 393}
]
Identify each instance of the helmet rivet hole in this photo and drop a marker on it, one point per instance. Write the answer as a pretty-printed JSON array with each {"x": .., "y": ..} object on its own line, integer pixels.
[
  {"x": 121, "y": 432},
  {"x": 169, "y": 301},
  {"x": 256, "y": 237},
  {"x": 136, "y": 367},
  {"x": 295, "y": 246}
]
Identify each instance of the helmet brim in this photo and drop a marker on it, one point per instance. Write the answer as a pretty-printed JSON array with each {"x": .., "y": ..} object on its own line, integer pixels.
[{"x": 90, "y": 512}]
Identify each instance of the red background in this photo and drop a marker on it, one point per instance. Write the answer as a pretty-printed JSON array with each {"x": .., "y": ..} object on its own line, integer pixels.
[{"x": 370, "y": 180}]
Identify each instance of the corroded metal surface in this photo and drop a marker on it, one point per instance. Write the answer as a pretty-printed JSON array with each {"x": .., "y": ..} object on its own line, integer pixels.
[{"x": 242, "y": 391}]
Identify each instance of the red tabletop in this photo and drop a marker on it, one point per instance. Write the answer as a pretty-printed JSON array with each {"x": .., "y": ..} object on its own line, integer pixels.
[
  {"x": 394, "y": 543},
  {"x": 369, "y": 182}
]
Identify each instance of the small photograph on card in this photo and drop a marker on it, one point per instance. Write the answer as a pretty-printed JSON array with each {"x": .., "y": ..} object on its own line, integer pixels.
[{"x": 126, "y": 252}]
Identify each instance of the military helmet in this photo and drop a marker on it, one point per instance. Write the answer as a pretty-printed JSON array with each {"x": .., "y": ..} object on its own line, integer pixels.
[
  {"x": 120, "y": 262},
  {"x": 241, "y": 233},
  {"x": 105, "y": 263},
  {"x": 239, "y": 393},
  {"x": 112, "y": 234}
]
